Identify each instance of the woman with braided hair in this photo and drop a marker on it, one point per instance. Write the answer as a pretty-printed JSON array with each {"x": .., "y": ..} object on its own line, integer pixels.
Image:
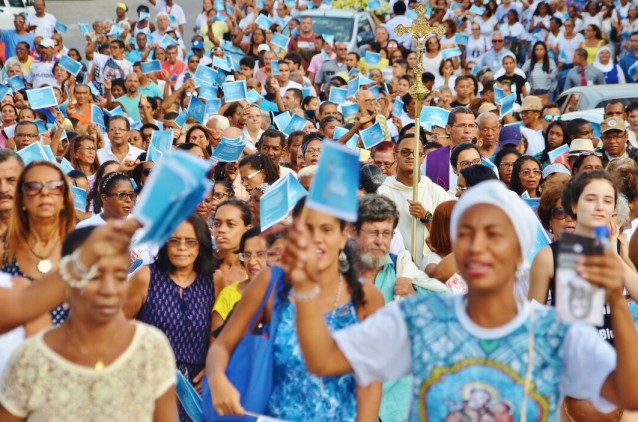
[{"x": 117, "y": 196}]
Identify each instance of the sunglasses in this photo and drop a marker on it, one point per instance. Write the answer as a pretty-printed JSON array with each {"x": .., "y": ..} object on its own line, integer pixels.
[
  {"x": 559, "y": 213},
  {"x": 123, "y": 196},
  {"x": 496, "y": 41},
  {"x": 551, "y": 117},
  {"x": 55, "y": 187}
]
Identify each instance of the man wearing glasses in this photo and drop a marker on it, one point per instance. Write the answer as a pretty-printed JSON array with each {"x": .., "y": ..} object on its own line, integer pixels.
[
  {"x": 614, "y": 136},
  {"x": 399, "y": 189},
  {"x": 549, "y": 113},
  {"x": 494, "y": 57},
  {"x": 26, "y": 133}
]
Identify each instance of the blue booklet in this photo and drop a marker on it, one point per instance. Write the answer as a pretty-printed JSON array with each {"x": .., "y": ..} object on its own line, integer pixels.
[
  {"x": 253, "y": 97},
  {"x": 498, "y": 94},
  {"x": 449, "y": 53},
  {"x": 374, "y": 5},
  {"x": 84, "y": 28},
  {"x": 151, "y": 66},
  {"x": 282, "y": 120},
  {"x": 263, "y": 22},
  {"x": 280, "y": 198},
  {"x": 41, "y": 126},
  {"x": 41, "y": 98},
  {"x": 397, "y": 108},
  {"x": 376, "y": 92},
  {"x": 349, "y": 110},
  {"x": 97, "y": 116},
  {"x": 371, "y": 58},
  {"x": 372, "y": 136},
  {"x": 434, "y": 116},
  {"x": 340, "y": 132},
  {"x": 353, "y": 88},
  {"x": 65, "y": 166},
  {"x": 338, "y": 95},
  {"x": 557, "y": 152},
  {"x": 79, "y": 198},
  {"x": 117, "y": 111},
  {"x": 4, "y": 91},
  {"x": 461, "y": 39},
  {"x": 363, "y": 80},
  {"x": 72, "y": 66},
  {"x": 335, "y": 186},
  {"x": 212, "y": 106},
  {"x": 16, "y": 83},
  {"x": 219, "y": 5},
  {"x": 275, "y": 67},
  {"x": 329, "y": 39},
  {"x": 161, "y": 142},
  {"x": 228, "y": 150},
  {"x": 507, "y": 104},
  {"x": 197, "y": 109},
  {"x": 94, "y": 91},
  {"x": 280, "y": 39},
  {"x": 33, "y": 152},
  {"x": 205, "y": 75},
  {"x": 207, "y": 92},
  {"x": 116, "y": 30},
  {"x": 477, "y": 10},
  {"x": 220, "y": 63},
  {"x": 177, "y": 185},
  {"x": 166, "y": 41},
  {"x": 144, "y": 16},
  {"x": 304, "y": 91},
  {"x": 296, "y": 123},
  {"x": 234, "y": 91},
  {"x": 60, "y": 27}
]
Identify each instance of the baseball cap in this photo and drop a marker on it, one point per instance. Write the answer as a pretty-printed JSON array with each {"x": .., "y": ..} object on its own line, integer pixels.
[
  {"x": 198, "y": 44},
  {"x": 531, "y": 103},
  {"x": 47, "y": 42},
  {"x": 263, "y": 47},
  {"x": 580, "y": 146},
  {"x": 613, "y": 123},
  {"x": 509, "y": 135}
]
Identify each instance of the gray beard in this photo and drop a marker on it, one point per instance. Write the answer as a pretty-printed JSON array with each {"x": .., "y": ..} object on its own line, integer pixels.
[{"x": 370, "y": 263}]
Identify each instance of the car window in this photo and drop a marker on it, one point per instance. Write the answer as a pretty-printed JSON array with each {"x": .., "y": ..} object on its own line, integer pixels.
[
  {"x": 14, "y": 3},
  {"x": 572, "y": 103},
  {"x": 625, "y": 101},
  {"x": 2, "y": 3},
  {"x": 341, "y": 28},
  {"x": 364, "y": 25}
]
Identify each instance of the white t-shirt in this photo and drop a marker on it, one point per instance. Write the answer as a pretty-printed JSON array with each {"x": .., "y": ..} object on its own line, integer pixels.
[
  {"x": 45, "y": 25},
  {"x": 40, "y": 74},
  {"x": 174, "y": 10}
]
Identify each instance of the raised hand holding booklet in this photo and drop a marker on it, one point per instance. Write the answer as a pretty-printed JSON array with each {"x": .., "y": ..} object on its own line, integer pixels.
[{"x": 228, "y": 150}]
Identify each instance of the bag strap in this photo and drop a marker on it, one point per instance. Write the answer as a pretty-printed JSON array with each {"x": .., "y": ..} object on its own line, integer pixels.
[{"x": 271, "y": 285}]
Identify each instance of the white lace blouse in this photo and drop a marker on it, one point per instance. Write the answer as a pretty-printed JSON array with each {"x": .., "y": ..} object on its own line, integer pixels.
[{"x": 41, "y": 385}]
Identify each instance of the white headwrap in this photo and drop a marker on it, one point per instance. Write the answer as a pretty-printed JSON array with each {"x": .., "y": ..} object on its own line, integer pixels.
[
  {"x": 604, "y": 67},
  {"x": 494, "y": 192}
]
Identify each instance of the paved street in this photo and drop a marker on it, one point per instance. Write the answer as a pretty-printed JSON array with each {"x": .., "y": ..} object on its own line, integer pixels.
[{"x": 71, "y": 12}]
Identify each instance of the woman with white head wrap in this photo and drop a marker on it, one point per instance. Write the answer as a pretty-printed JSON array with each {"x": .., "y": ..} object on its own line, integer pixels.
[
  {"x": 606, "y": 64},
  {"x": 484, "y": 354}
]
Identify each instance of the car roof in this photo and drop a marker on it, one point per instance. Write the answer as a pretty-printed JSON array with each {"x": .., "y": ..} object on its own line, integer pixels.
[{"x": 340, "y": 13}]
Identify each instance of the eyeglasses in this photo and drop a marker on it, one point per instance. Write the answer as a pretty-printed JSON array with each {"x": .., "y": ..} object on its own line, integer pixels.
[
  {"x": 220, "y": 195},
  {"x": 87, "y": 149},
  {"x": 247, "y": 256},
  {"x": 26, "y": 136},
  {"x": 193, "y": 61},
  {"x": 176, "y": 242},
  {"x": 559, "y": 213},
  {"x": 312, "y": 151},
  {"x": 250, "y": 176},
  {"x": 117, "y": 129},
  {"x": 461, "y": 189},
  {"x": 551, "y": 117},
  {"x": 468, "y": 163},
  {"x": 466, "y": 126},
  {"x": 383, "y": 164},
  {"x": 496, "y": 41},
  {"x": 373, "y": 234},
  {"x": 55, "y": 187},
  {"x": 613, "y": 137},
  {"x": 123, "y": 196},
  {"x": 504, "y": 166},
  {"x": 528, "y": 173},
  {"x": 409, "y": 153}
]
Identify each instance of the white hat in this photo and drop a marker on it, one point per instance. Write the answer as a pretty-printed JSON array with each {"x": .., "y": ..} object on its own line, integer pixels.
[
  {"x": 263, "y": 47},
  {"x": 47, "y": 42}
]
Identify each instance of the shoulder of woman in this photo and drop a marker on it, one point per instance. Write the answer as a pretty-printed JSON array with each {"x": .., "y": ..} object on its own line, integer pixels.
[
  {"x": 544, "y": 257},
  {"x": 142, "y": 277}
]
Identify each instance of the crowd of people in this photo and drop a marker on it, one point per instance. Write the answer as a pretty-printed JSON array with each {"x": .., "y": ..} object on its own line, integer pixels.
[{"x": 362, "y": 327}]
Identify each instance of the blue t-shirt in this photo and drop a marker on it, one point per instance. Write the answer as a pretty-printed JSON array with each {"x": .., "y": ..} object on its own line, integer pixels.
[{"x": 10, "y": 39}]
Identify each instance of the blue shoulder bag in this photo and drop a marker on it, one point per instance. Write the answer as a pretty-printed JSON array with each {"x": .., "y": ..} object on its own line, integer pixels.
[{"x": 250, "y": 369}]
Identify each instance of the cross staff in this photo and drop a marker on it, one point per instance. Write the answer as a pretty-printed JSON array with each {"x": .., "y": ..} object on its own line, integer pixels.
[{"x": 420, "y": 31}]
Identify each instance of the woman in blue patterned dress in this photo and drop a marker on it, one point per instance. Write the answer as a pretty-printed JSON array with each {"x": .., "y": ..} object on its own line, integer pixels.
[
  {"x": 343, "y": 301},
  {"x": 176, "y": 295},
  {"x": 484, "y": 355}
]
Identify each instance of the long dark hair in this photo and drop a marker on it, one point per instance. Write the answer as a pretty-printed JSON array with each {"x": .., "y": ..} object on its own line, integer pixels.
[
  {"x": 352, "y": 275},
  {"x": 515, "y": 183},
  {"x": 204, "y": 261},
  {"x": 261, "y": 162},
  {"x": 546, "y": 67},
  {"x": 566, "y": 140},
  {"x": 93, "y": 197}
]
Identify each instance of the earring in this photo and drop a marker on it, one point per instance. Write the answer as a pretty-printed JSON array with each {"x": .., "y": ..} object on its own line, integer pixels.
[{"x": 344, "y": 265}]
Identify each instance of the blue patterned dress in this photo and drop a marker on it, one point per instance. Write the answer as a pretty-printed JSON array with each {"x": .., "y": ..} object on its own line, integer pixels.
[
  {"x": 299, "y": 396},
  {"x": 184, "y": 319}
]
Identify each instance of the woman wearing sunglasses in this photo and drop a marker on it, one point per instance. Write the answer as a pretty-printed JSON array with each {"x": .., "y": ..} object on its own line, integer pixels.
[
  {"x": 82, "y": 154},
  {"x": 43, "y": 215},
  {"x": 118, "y": 198}
]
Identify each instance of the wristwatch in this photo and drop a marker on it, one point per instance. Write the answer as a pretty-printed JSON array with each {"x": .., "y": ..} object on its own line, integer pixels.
[{"x": 427, "y": 219}]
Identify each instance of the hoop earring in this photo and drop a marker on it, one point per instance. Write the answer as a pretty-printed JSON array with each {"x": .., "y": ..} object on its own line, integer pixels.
[{"x": 344, "y": 265}]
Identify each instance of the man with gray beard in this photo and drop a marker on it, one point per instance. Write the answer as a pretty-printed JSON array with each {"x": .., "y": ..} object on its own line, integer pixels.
[{"x": 371, "y": 236}]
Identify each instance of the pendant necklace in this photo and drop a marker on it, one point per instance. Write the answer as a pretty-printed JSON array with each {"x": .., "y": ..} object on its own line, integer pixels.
[
  {"x": 44, "y": 264},
  {"x": 99, "y": 363}
]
